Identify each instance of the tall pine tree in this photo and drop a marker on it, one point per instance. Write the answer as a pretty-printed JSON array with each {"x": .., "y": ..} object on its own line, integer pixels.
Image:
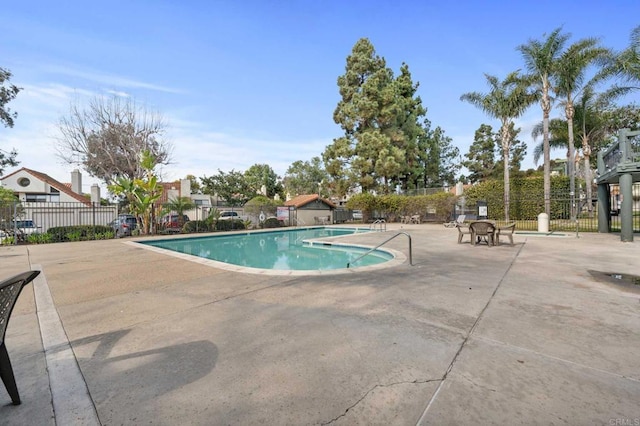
[{"x": 379, "y": 115}]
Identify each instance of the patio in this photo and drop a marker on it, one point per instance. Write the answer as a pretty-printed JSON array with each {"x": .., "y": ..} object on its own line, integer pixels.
[{"x": 508, "y": 334}]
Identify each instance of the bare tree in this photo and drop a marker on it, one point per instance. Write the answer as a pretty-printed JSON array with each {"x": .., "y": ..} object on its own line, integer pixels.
[{"x": 107, "y": 137}]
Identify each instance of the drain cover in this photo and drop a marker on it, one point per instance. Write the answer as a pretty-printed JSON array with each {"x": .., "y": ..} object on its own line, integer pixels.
[{"x": 626, "y": 281}]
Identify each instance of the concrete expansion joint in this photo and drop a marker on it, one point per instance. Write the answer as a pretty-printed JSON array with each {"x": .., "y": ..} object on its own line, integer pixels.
[
  {"x": 406, "y": 382},
  {"x": 255, "y": 290}
]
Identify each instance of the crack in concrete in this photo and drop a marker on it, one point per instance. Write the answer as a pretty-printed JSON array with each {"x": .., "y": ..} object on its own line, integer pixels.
[
  {"x": 335, "y": 419},
  {"x": 468, "y": 336},
  {"x": 474, "y": 383}
]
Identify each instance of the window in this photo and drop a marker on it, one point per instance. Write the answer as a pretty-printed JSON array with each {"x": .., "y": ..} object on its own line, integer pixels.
[
  {"x": 36, "y": 198},
  {"x": 42, "y": 198},
  {"x": 24, "y": 182},
  {"x": 201, "y": 202}
]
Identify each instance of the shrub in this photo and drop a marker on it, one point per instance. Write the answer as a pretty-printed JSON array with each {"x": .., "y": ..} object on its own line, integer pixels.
[
  {"x": 8, "y": 240},
  {"x": 272, "y": 222},
  {"x": 366, "y": 202},
  {"x": 38, "y": 238},
  {"x": 262, "y": 204},
  {"x": 196, "y": 226},
  {"x": 229, "y": 225},
  {"x": 526, "y": 198},
  {"x": 77, "y": 233}
]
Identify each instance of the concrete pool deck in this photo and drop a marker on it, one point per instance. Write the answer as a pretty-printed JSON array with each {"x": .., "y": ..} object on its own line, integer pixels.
[{"x": 468, "y": 335}]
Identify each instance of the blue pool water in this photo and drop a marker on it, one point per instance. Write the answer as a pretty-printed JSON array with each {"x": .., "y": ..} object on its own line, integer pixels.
[{"x": 278, "y": 250}]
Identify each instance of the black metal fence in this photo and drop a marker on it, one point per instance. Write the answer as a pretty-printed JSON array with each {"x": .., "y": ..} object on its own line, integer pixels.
[{"x": 42, "y": 216}]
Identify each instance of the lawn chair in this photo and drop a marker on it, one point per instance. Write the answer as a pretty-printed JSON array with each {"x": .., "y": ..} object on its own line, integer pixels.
[
  {"x": 457, "y": 222},
  {"x": 482, "y": 231},
  {"x": 462, "y": 231},
  {"x": 506, "y": 231},
  {"x": 9, "y": 291}
]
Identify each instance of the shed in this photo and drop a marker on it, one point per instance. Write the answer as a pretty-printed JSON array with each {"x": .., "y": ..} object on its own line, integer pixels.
[{"x": 311, "y": 209}]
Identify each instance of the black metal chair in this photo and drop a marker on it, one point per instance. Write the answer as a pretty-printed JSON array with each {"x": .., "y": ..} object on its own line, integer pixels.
[{"x": 9, "y": 291}]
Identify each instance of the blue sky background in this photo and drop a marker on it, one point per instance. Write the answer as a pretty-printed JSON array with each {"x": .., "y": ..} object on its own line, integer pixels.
[{"x": 246, "y": 82}]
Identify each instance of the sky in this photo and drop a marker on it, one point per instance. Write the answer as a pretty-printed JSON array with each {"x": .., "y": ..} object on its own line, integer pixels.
[{"x": 248, "y": 82}]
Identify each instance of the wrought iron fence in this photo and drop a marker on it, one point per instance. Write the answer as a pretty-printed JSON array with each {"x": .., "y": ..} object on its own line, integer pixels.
[{"x": 49, "y": 215}]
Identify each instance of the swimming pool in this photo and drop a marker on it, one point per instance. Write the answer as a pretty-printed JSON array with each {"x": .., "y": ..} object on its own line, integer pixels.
[{"x": 284, "y": 250}]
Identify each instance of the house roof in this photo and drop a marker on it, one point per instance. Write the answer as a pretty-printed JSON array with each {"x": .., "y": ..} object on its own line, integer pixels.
[
  {"x": 303, "y": 200},
  {"x": 62, "y": 187}
]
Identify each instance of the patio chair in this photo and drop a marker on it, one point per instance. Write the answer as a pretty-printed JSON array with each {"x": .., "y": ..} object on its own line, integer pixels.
[
  {"x": 457, "y": 222},
  {"x": 482, "y": 231},
  {"x": 9, "y": 291},
  {"x": 507, "y": 231},
  {"x": 462, "y": 231}
]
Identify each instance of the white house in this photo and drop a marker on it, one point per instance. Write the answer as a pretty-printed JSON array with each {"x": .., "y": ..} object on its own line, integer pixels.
[{"x": 50, "y": 203}]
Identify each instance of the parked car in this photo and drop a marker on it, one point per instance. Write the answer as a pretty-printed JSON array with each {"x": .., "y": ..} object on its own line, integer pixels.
[
  {"x": 357, "y": 215},
  {"x": 123, "y": 225},
  {"x": 228, "y": 215},
  {"x": 171, "y": 222},
  {"x": 21, "y": 228},
  {"x": 27, "y": 227}
]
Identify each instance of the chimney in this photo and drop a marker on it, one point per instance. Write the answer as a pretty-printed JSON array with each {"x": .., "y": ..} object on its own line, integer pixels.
[
  {"x": 95, "y": 194},
  {"x": 76, "y": 181},
  {"x": 185, "y": 188}
]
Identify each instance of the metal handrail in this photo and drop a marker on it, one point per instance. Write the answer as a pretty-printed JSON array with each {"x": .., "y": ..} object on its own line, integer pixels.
[
  {"x": 380, "y": 222},
  {"x": 381, "y": 244}
]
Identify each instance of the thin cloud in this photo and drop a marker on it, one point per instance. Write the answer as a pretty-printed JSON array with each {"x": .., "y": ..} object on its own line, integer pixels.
[{"x": 110, "y": 80}]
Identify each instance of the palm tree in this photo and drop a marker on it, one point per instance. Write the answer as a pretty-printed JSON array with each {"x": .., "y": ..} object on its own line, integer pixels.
[
  {"x": 141, "y": 192},
  {"x": 569, "y": 82},
  {"x": 626, "y": 65},
  {"x": 179, "y": 205},
  {"x": 506, "y": 101},
  {"x": 557, "y": 137},
  {"x": 540, "y": 58},
  {"x": 592, "y": 131}
]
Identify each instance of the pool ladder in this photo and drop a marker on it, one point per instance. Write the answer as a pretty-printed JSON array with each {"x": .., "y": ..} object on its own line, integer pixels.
[
  {"x": 382, "y": 224},
  {"x": 381, "y": 244}
]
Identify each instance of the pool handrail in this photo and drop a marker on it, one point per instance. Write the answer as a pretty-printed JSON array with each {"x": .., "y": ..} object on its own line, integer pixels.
[
  {"x": 381, "y": 244},
  {"x": 381, "y": 222}
]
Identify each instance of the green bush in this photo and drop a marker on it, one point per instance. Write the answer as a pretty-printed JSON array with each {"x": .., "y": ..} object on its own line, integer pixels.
[
  {"x": 391, "y": 206},
  {"x": 272, "y": 222},
  {"x": 78, "y": 233},
  {"x": 8, "y": 240},
  {"x": 196, "y": 226},
  {"x": 229, "y": 225},
  {"x": 262, "y": 204},
  {"x": 38, "y": 238},
  {"x": 526, "y": 198},
  {"x": 366, "y": 202}
]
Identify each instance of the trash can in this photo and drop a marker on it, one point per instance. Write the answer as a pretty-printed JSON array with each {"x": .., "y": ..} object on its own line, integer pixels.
[
  {"x": 481, "y": 210},
  {"x": 543, "y": 222}
]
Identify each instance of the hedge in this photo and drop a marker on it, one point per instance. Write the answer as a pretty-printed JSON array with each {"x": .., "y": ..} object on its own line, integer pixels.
[
  {"x": 196, "y": 226},
  {"x": 79, "y": 233},
  {"x": 229, "y": 225},
  {"x": 272, "y": 222},
  {"x": 526, "y": 197},
  {"x": 392, "y": 206}
]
